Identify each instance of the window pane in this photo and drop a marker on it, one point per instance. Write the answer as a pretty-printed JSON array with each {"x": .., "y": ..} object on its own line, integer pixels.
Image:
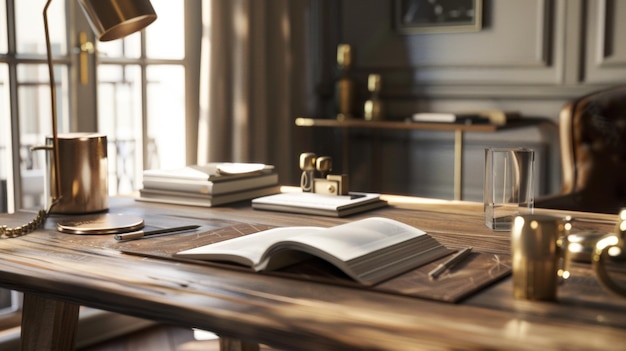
[
  {"x": 3, "y": 27},
  {"x": 5, "y": 138},
  {"x": 165, "y": 38},
  {"x": 29, "y": 29},
  {"x": 129, "y": 47},
  {"x": 35, "y": 120},
  {"x": 166, "y": 114},
  {"x": 119, "y": 111},
  {"x": 35, "y": 104}
]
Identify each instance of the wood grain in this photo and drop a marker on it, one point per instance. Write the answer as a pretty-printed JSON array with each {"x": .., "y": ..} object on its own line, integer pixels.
[
  {"x": 307, "y": 315},
  {"x": 476, "y": 272}
]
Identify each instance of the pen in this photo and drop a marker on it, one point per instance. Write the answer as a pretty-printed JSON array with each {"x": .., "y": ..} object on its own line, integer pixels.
[
  {"x": 143, "y": 234},
  {"x": 450, "y": 262}
]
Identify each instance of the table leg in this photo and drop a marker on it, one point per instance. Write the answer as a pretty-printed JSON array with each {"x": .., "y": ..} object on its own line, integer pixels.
[
  {"x": 48, "y": 324},
  {"x": 458, "y": 164}
]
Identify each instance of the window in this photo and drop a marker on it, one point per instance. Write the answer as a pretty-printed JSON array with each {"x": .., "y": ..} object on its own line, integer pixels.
[
  {"x": 141, "y": 82},
  {"x": 137, "y": 97}
]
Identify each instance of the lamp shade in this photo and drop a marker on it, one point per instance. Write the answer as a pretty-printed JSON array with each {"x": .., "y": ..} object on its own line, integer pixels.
[{"x": 114, "y": 19}]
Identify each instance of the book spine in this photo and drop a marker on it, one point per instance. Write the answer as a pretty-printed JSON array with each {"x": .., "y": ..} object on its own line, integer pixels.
[
  {"x": 181, "y": 199},
  {"x": 203, "y": 187}
]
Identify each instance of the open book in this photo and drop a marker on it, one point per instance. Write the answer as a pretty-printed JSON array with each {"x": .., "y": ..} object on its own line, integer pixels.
[{"x": 369, "y": 251}]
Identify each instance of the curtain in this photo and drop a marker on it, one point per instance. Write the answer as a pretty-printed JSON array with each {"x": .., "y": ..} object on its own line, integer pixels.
[{"x": 247, "y": 98}]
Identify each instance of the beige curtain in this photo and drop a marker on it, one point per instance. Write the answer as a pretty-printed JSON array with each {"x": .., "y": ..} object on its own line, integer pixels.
[{"x": 247, "y": 100}]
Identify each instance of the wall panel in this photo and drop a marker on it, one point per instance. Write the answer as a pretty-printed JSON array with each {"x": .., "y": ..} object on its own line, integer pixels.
[
  {"x": 517, "y": 45},
  {"x": 605, "y": 59}
]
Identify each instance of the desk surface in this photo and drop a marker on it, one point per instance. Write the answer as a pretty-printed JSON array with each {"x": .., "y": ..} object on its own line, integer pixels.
[{"x": 287, "y": 313}]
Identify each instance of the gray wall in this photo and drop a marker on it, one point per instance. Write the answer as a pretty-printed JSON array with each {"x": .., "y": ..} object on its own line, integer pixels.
[{"x": 530, "y": 56}]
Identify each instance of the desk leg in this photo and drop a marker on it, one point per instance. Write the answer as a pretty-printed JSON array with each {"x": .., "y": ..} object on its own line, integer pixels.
[
  {"x": 458, "y": 164},
  {"x": 230, "y": 344},
  {"x": 48, "y": 324}
]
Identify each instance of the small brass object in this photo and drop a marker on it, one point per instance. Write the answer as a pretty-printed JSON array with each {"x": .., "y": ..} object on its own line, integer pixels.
[
  {"x": 307, "y": 165},
  {"x": 324, "y": 164},
  {"x": 538, "y": 244},
  {"x": 373, "y": 107},
  {"x": 345, "y": 85},
  {"x": 542, "y": 248},
  {"x": 610, "y": 245},
  {"x": 330, "y": 184}
]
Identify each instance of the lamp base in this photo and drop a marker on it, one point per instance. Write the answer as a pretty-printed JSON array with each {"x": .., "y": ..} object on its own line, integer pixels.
[{"x": 101, "y": 224}]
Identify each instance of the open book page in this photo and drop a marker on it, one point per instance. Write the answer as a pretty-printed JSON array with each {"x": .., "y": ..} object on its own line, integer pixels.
[
  {"x": 211, "y": 171},
  {"x": 196, "y": 172},
  {"x": 246, "y": 250},
  {"x": 356, "y": 239}
]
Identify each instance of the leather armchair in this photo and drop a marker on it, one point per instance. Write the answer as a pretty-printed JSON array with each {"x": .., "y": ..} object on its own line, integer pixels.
[{"x": 592, "y": 132}]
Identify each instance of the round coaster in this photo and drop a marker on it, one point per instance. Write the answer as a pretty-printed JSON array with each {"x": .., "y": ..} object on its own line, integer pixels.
[{"x": 106, "y": 223}]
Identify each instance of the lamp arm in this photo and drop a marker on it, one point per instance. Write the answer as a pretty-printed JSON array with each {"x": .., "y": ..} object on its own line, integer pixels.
[{"x": 55, "y": 137}]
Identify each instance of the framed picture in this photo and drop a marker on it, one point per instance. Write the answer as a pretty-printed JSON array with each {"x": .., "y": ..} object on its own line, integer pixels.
[{"x": 437, "y": 16}]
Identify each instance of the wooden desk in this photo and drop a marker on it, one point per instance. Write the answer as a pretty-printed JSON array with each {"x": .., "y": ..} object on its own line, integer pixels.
[
  {"x": 458, "y": 129},
  {"x": 57, "y": 272}
]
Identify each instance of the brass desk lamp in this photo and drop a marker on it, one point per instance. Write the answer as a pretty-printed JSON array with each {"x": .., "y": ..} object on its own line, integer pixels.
[{"x": 110, "y": 20}]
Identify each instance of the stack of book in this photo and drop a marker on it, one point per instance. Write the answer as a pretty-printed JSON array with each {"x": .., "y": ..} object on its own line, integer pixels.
[{"x": 209, "y": 185}]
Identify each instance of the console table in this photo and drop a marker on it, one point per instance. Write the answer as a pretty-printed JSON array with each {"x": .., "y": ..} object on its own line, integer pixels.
[
  {"x": 457, "y": 128},
  {"x": 57, "y": 272}
]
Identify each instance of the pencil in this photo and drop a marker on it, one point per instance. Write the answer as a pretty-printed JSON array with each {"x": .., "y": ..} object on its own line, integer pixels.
[
  {"x": 142, "y": 234},
  {"x": 453, "y": 261}
]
